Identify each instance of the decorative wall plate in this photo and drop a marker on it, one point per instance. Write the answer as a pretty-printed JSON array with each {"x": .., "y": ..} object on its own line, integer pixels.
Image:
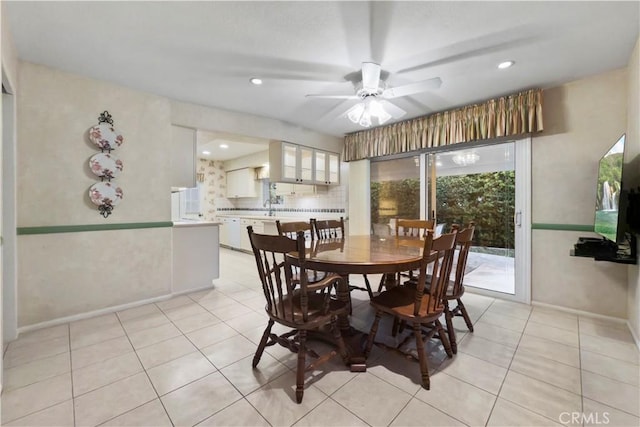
[
  {"x": 105, "y": 193},
  {"x": 106, "y": 166},
  {"x": 105, "y": 136}
]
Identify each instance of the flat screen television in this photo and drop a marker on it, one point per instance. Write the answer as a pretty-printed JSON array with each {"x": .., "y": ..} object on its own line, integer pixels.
[{"x": 608, "y": 188}]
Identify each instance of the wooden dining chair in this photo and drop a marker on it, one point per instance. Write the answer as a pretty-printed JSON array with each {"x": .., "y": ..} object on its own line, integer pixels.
[
  {"x": 291, "y": 230},
  {"x": 417, "y": 307},
  {"x": 407, "y": 228},
  {"x": 328, "y": 228},
  {"x": 301, "y": 306},
  {"x": 455, "y": 286},
  {"x": 413, "y": 227}
]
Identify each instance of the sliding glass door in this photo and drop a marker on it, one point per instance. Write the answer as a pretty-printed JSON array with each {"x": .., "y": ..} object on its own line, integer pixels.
[
  {"x": 489, "y": 185},
  {"x": 395, "y": 193}
]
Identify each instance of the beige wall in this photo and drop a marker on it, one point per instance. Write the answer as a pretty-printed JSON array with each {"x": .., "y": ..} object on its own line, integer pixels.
[
  {"x": 582, "y": 120},
  {"x": 55, "y": 110},
  {"x": 66, "y": 274},
  {"x": 632, "y": 178}
]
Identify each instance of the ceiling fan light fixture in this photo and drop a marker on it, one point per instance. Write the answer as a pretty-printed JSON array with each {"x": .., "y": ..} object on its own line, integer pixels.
[
  {"x": 377, "y": 110},
  {"x": 364, "y": 112},
  {"x": 355, "y": 112}
]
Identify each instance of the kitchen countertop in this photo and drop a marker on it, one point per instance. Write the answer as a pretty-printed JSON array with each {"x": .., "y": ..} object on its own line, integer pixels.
[
  {"x": 189, "y": 223},
  {"x": 266, "y": 218}
]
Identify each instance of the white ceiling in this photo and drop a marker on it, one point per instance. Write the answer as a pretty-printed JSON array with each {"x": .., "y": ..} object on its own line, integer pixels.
[
  {"x": 206, "y": 52},
  {"x": 236, "y": 145}
]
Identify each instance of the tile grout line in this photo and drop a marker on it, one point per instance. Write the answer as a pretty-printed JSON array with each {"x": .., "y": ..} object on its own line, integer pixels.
[
  {"x": 73, "y": 399},
  {"x": 553, "y": 385},
  {"x": 59, "y": 375},
  {"x": 215, "y": 367},
  {"x": 148, "y": 378},
  {"x": 414, "y": 396},
  {"x": 508, "y": 368}
]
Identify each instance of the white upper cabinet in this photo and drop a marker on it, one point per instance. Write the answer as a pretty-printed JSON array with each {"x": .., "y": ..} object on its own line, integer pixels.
[
  {"x": 302, "y": 165},
  {"x": 242, "y": 183},
  {"x": 287, "y": 189},
  {"x": 327, "y": 167},
  {"x": 183, "y": 157}
]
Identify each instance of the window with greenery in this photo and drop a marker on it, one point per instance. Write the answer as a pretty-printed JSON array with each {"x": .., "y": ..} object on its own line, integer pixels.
[
  {"x": 486, "y": 198},
  {"x": 395, "y": 192}
]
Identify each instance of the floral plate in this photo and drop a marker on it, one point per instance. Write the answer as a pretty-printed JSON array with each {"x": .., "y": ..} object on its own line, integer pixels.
[
  {"x": 105, "y": 193},
  {"x": 105, "y": 136},
  {"x": 105, "y": 165}
]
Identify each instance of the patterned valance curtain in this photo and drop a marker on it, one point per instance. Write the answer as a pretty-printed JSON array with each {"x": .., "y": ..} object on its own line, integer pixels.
[{"x": 509, "y": 115}]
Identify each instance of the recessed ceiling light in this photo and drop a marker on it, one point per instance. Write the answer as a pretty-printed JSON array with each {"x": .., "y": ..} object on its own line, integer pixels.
[
  {"x": 206, "y": 153},
  {"x": 224, "y": 146},
  {"x": 256, "y": 81},
  {"x": 505, "y": 64}
]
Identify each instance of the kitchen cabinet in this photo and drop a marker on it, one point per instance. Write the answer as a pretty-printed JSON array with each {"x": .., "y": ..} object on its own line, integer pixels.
[
  {"x": 326, "y": 167},
  {"x": 230, "y": 232},
  {"x": 298, "y": 164},
  {"x": 183, "y": 157},
  {"x": 258, "y": 227},
  {"x": 242, "y": 183},
  {"x": 287, "y": 189},
  {"x": 290, "y": 163}
]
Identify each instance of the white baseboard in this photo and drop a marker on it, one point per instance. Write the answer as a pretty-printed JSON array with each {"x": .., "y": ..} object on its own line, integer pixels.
[
  {"x": 113, "y": 309},
  {"x": 190, "y": 291},
  {"x": 580, "y": 312},
  {"x": 635, "y": 336},
  {"x": 82, "y": 316}
]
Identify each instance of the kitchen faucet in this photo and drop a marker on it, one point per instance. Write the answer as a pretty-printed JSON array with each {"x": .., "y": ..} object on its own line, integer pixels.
[{"x": 268, "y": 201}]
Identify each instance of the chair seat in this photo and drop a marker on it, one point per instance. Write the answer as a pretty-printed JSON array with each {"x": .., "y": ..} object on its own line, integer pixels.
[
  {"x": 312, "y": 276},
  {"x": 399, "y": 301},
  {"x": 318, "y": 312},
  {"x": 448, "y": 293}
]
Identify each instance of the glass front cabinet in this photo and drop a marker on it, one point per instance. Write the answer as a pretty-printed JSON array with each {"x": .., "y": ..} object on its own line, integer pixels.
[
  {"x": 298, "y": 164},
  {"x": 327, "y": 167}
]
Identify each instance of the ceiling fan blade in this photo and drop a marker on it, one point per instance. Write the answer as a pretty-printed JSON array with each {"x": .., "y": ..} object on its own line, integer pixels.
[
  {"x": 370, "y": 76},
  {"x": 412, "y": 88},
  {"x": 329, "y": 96},
  {"x": 395, "y": 111}
]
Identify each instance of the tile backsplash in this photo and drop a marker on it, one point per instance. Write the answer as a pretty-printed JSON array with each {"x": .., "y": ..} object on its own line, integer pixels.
[{"x": 213, "y": 196}]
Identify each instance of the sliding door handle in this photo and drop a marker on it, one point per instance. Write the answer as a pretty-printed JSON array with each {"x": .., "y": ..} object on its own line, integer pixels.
[{"x": 517, "y": 218}]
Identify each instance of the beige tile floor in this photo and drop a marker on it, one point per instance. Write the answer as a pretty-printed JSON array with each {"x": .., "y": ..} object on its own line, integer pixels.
[{"x": 187, "y": 361}]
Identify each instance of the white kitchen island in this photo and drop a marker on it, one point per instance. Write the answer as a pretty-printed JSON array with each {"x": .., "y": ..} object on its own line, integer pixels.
[{"x": 196, "y": 255}]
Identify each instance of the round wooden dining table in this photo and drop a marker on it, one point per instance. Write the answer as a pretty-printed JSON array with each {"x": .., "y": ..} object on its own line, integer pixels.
[
  {"x": 361, "y": 254},
  {"x": 364, "y": 254}
]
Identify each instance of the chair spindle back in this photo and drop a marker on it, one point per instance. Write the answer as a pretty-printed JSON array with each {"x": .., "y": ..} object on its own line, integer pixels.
[
  {"x": 441, "y": 262},
  {"x": 413, "y": 227},
  {"x": 290, "y": 229},
  {"x": 464, "y": 239},
  {"x": 276, "y": 274},
  {"x": 328, "y": 228}
]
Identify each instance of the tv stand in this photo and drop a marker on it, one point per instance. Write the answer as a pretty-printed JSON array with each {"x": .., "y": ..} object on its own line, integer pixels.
[{"x": 601, "y": 249}]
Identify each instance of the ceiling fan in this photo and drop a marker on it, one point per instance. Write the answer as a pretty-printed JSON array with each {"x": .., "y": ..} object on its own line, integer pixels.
[{"x": 374, "y": 92}]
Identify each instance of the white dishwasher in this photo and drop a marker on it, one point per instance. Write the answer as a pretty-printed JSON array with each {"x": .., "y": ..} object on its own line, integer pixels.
[{"x": 234, "y": 232}]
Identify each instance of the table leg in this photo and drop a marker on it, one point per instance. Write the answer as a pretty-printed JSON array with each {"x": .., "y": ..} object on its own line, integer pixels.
[{"x": 351, "y": 336}]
